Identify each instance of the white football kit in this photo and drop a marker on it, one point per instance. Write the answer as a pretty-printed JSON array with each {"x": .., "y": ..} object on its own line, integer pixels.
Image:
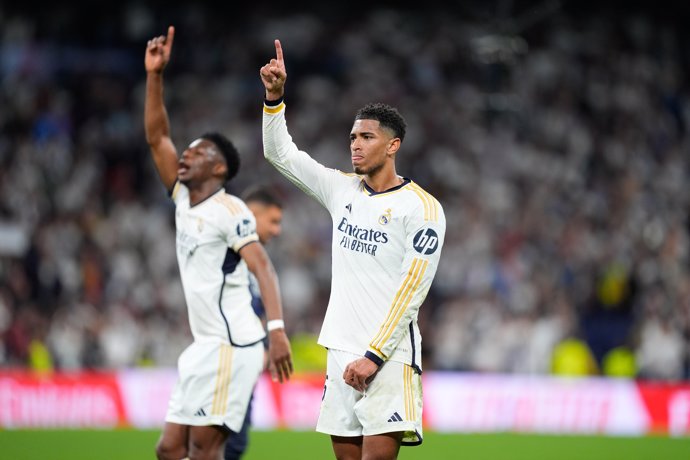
[
  {"x": 385, "y": 251},
  {"x": 218, "y": 371}
]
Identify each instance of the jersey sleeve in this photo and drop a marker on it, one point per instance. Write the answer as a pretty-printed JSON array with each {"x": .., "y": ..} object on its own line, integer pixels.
[
  {"x": 424, "y": 235},
  {"x": 297, "y": 166},
  {"x": 241, "y": 230}
]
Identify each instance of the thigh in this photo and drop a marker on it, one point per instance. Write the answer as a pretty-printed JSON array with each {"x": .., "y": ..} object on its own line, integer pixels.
[
  {"x": 337, "y": 415},
  {"x": 393, "y": 403},
  {"x": 215, "y": 384}
]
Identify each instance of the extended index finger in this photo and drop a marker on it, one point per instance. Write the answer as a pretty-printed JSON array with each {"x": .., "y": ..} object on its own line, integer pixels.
[
  {"x": 170, "y": 37},
  {"x": 279, "y": 51}
]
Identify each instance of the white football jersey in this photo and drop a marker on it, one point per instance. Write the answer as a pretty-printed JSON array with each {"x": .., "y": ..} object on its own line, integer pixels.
[
  {"x": 214, "y": 276},
  {"x": 386, "y": 247}
]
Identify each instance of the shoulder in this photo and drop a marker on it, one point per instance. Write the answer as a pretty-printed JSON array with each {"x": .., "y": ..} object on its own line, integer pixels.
[
  {"x": 352, "y": 179},
  {"x": 423, "y": 205},
  {"x": 232, "y": 206},
  {"x": 178, "y": 191}
]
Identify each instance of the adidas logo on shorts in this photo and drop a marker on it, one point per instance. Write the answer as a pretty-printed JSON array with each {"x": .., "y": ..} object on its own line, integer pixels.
[
  {"x": 395, "y": 417},
  {"x": 200, "y": 413}
]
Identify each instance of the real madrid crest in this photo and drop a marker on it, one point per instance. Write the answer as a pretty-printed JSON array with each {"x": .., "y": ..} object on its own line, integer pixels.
[{"x": 385, "y": 217}]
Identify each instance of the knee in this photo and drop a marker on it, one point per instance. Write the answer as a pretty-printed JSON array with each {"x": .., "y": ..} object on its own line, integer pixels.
[
  {"x": 168, "y": 451},
  {"x": 202, "y": 452}
]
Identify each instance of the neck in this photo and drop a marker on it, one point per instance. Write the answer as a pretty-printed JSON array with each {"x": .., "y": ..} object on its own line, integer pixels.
[
  {"x": 383, "y": 179},
  {"x": 199, "y": 192}
]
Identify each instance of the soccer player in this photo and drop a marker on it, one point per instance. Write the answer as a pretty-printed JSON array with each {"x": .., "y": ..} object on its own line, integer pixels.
[
  {"x": 387, "y": 238},
  {"x": 268, "y": 212},
  {"x": 216, "y": 246}
]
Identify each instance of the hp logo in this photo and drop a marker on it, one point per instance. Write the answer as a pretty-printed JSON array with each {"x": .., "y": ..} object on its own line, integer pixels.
[
  {"x": 425, "y": 241},
  {"x": 244, "y": 228}
]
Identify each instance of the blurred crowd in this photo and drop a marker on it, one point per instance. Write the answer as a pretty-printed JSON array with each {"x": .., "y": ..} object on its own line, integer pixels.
[{"x": 556, "y": 139}]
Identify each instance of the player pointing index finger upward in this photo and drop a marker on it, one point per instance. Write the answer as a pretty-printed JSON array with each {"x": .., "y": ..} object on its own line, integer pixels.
[
  {"x": 387, "y": 238},
  {"x": 217, "y": 246}
]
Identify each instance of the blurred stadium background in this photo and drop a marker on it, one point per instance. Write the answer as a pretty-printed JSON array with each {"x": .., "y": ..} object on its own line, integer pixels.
[{"x": 555, "y": 134}]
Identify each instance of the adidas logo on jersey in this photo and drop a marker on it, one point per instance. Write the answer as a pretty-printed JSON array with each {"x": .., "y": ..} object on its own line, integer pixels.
[
  {"x": 395, "y": 417},
  {"x": 200, "y": 413},
  {"x": 349, "y": 207}
]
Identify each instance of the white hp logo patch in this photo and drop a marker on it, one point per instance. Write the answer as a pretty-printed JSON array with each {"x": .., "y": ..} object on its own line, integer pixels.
[{"x": 425, "y": 241}]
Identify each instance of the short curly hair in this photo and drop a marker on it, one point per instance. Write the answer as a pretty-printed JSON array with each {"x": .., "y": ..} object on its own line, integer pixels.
[
  {"x": 228, "y": 150},
  {"x": 387, "y": 116}
]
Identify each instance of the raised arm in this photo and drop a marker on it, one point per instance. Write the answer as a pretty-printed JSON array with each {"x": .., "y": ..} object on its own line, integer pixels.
[
  {"x": 156, "y": 121},
  {"x": 273, "y": 75},
  {"x": 279, "y": 354},
  {"x": 301, "y": 169}
]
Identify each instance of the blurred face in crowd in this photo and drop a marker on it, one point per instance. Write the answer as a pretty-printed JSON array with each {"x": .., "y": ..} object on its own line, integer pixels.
[
  {"x": 268, "y": 220},
  {"x": 371, "y": 146},
  {"x": 201, "y": 161}
]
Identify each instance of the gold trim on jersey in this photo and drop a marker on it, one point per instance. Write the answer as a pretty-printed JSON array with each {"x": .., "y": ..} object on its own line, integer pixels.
[
  {"x": 176, "y": 188},
  {"x": 227, "y": 201},
  {"x": 429, "y": 202},
  {"x": 408, "y": 374},
  {"x": 274, "y": 109},
  {"x": 402, "y": 299},
  {"x": 222, "y": 388}
]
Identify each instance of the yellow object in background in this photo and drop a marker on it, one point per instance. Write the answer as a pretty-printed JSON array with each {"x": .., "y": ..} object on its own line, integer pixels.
[
  {"x": 572, "y": 357},
  {"x": 40, "y": 359},
  {"x": 619, "y": 362}
]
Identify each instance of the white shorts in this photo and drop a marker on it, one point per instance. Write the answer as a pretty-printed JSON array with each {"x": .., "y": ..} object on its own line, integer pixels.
[
  {"x": 215, "y": 382},
  {"x": 391, "y": 403}
]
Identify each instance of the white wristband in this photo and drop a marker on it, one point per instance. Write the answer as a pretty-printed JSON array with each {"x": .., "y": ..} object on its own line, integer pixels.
[{"x": 274, "y": 324}]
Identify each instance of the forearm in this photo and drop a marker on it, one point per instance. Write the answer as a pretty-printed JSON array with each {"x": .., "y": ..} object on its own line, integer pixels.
[
  {"x": 403, "y": 309},
  {"x": 296, "y": 165},
  {"x": 270, "y": 292},
  {"x": 156, "y": 122}
]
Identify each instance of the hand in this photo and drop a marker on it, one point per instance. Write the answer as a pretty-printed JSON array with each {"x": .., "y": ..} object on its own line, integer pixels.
[
  {"x": 279, "y": 356},
  {"x": 273, "y": 75},
  {"x": 359, "y": 373},
  {"x": 158, "y": 51}
]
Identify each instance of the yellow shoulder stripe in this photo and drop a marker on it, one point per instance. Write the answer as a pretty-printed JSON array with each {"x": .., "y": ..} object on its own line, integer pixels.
[
  {"x": 400, "y": 302},
  {"x": 430, "y": 203},
  {"x": 228, "y": 202},
  {"x": 176, "y": 188}
]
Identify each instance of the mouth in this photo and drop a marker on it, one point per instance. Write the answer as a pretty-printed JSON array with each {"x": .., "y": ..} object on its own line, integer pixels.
[
  {"x": 182, "y": 168},
  {"x": 357, "y": 159}
]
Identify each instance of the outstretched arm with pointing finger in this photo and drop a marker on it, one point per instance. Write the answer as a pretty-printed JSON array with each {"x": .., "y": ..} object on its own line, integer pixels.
[{"x": 156, "y": 121}]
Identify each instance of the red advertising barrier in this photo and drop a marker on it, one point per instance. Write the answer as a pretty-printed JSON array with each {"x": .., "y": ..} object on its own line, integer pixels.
[
  {"x": 60, "y": 400},
  {"x": 668, "y": 407},
  {"x": 454, "y": 402}
]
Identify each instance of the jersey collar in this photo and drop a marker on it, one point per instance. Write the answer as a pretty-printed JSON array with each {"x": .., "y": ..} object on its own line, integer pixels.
[{"x": 371, "y": 191}]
